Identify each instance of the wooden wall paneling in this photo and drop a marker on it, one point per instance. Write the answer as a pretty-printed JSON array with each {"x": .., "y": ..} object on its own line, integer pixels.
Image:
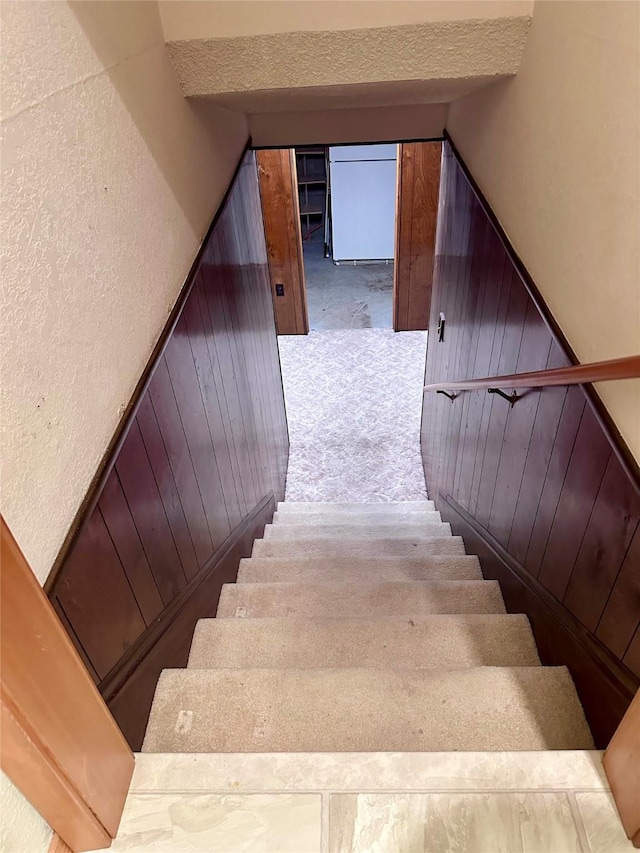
[
  {"x": 494, "y": 340},
  {"x": 539, "y": 490},
  {"x": 229, "y": 419},
  {"x": 488, "y": 281},
  {"x": 229, "y": 300},
  {"x": 60, "y": 746},
  {"x": 534, "y": 351},
  {"x": 204, "y": 450},
  {"x": 186, "y": 388},
  {"x": 543, "y": 434},
  {"x": 632, "y": 655},
  {"x": 568, "y": 425},
  {"x": 279, "y": 195},
  {"x": 604, "y": 684},
  {"x": 482, "y": 244},
  {"x": 212, "y": 406},
  {"x": 243, "y": 349},
  {"x": 416, "y": 217},
  {"x": 247, "y": 304},
  {"x": 168, "y": 417},
  {"x": 141, "y": 490},
  {"x": 130, "y": 700},
  {"x": 621, "y": 762},
  {"x": 215, "y": 273},
  {"x": 588, "y": 463},
  {"x": 619, "y": 620},
  {"x": 604, "y": 546},
  {"x": 466, "y": 263},
  {"x": 126, "y": 540},
  {"x": 169, "y": 495},
  {"x": 95, "y": 576}
]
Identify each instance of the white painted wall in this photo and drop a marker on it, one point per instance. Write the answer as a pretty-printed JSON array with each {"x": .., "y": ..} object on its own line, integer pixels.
[
  {"x": 192, "y": 19},
  {"x": 22, "y": 830},
  {"x": 109, "y": 182},
  {"x": 556, "y": 151}
]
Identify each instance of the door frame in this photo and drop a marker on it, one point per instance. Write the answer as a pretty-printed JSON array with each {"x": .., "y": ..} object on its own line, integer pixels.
[
  {"x": 416, "y": 316},
  {"x": 60, "y": 745}
]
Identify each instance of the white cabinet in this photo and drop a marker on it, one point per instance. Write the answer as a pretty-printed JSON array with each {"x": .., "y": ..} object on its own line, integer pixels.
[{"x": 363, "y": 201}]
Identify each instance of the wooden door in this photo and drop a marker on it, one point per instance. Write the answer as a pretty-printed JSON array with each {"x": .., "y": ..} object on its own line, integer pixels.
[
  {"x": 281, "y": 214},
  {"x": 60, "y": 745},
  {"x": 416, "y": 217}
]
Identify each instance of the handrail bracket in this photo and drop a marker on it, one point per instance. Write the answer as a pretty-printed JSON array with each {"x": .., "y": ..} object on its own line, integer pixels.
[
  {"x": 452, "y": 397},
  {"x": 511, "y": 398}
]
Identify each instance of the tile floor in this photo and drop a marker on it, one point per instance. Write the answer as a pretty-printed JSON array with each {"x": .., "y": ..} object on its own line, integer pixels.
[
  {"x": 347, "y": 296},
  {"x": 354, "y": 403},
  {"x": 537, "y": 802}
]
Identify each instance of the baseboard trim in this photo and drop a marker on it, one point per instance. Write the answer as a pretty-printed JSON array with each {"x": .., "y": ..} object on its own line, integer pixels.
[
  {"x": 129, "y": 687},
  {"x": 605, "y": 686}
]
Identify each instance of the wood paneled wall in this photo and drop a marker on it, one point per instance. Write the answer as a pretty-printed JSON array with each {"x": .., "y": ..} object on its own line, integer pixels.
[
  {"x": 281, "y": 211},
  {"x": 539, "y": 490},
  {"x": 416, "y": 217},
  {"x": 203, "y": 459}
]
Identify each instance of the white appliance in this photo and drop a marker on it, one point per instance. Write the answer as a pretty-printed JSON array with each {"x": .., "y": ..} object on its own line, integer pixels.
[{"x": 363, "y": 201}]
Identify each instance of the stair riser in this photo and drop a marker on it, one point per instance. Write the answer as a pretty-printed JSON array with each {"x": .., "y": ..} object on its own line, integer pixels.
[
  {"x": 358, "y": 570},
  {"x": 345, "y": 508},
  {"x": 351, "y": 710},
  {"x": 360, "y": 531},
  {"x": 331, "y": 547},
  {"x": 440, "y": 642},
  {"x": 321, "y": 518},
  {"x": 373, "y": 600}
]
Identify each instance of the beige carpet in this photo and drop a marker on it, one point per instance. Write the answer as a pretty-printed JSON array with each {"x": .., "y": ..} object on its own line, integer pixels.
[{"x": 363, "y": 628}]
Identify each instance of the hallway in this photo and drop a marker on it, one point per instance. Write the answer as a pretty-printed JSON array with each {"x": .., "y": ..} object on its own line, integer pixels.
[{"x": 353, "y": 401}]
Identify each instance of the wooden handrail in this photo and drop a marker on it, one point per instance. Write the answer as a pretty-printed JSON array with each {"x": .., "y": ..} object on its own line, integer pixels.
[{"x": 579, "y": 374}]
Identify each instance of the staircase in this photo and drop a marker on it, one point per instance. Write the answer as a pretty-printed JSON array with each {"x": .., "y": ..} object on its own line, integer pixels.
[{"x": 363, "y": 628}]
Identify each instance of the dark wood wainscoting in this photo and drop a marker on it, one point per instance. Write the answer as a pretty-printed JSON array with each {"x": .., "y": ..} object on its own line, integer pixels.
[
  {"x": 194, "y": 476},
  {"x": 543, "y": 491}
]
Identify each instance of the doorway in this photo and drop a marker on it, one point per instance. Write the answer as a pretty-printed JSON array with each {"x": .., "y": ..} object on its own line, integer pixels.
[
  {"x": 347, "y": 212},
  {"x": 350, "y": 232}
]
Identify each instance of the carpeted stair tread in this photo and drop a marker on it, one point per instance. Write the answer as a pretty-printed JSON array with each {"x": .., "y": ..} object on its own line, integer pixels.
[
  {"x": 441, "y": 642},
  {"x": 332, "y": 546},
  {"x": 356, "y": 570},
  {"x": 379, "y": 599},
  {"x": 381, "y": 517},
  {"x": 345, "y": 508},
  {"x": 357, "y": 531},
  {"x": 327, "y": 710}
]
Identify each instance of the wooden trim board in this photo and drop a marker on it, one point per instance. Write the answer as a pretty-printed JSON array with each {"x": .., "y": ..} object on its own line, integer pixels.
[
  {"x": 622, "y": 765},
  {"x": 281, "y": 215},
  {"x": 60, "y": 745},
  {"x": 416, "y": 219}
]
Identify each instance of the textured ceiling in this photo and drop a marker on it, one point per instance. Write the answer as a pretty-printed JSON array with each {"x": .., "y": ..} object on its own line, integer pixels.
[{"x": 422, "y": 63}]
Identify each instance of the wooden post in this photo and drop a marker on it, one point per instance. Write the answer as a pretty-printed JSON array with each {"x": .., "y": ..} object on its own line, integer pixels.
[
  {"x": 622, "y": 766},
  {"x": 60, "y": 745},
  {"x": 416, "y": 219},
  {"x": 281, "y": 215}
]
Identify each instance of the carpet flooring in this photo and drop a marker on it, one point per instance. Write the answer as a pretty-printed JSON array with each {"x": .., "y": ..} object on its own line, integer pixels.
[{"x": 354, "y": 401}]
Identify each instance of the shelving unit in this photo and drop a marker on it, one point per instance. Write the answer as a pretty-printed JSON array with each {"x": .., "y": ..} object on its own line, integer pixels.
[{"x": 313, "y": 191}]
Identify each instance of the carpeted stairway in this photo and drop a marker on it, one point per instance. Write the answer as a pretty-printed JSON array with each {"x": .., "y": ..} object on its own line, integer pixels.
[{"x": 363, "y": 627}]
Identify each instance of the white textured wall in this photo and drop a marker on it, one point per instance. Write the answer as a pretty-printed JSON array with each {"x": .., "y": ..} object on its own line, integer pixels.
[
  {"x": 22, "y": 830},
  {"x": 556, "y": 150},
  {"x": 109, "y": 182}
]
